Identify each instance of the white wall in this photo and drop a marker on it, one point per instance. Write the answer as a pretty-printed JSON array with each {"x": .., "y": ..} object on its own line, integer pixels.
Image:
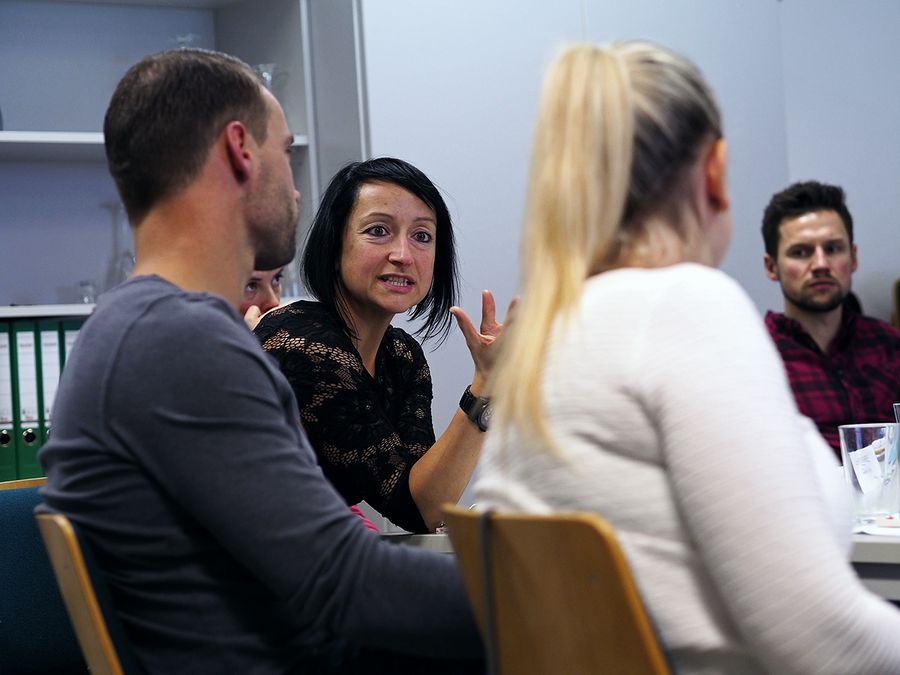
[
  {"x": 842, "y": 88},
  {"x": 452, "y": 86},
  {"x": 455, "y": 92},
  {"x": 737, "y": 46}
]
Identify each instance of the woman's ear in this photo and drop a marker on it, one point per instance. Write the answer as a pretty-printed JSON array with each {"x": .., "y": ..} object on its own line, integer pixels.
[{"x": 714, "y": 175}]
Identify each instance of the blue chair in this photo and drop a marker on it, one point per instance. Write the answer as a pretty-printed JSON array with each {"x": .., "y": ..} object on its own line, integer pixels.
[{"x": 36, "y": 636}]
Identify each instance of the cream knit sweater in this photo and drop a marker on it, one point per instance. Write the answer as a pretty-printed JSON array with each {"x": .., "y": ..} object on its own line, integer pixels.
[{"x": 674, "y": 420}]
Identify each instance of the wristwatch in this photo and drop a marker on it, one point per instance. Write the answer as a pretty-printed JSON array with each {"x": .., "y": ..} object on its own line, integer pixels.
[{"x": 477, "y": 409}]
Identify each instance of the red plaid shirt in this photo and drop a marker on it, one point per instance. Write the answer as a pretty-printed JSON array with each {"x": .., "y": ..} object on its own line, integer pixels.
[{"x": 857, "y": 381}]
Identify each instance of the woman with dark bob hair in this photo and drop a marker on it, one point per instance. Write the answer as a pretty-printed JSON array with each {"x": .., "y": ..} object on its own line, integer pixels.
[{"x": 381, "y": 244}]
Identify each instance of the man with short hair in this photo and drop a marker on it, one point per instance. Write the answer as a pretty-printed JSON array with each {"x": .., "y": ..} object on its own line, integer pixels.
[
  {"x": 176, "y": 445},
  {"x": 843, "y": 367}
]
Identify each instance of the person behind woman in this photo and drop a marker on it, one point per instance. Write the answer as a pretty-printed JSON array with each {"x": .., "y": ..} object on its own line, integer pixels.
[
  {"x": 262, "y": 293},
  {"x": 638, "y": 382},
  {"x": 381, "y": 244}
]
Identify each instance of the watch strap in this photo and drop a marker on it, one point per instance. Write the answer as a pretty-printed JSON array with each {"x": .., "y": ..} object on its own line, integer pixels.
[{"x": 474, "y": 407}]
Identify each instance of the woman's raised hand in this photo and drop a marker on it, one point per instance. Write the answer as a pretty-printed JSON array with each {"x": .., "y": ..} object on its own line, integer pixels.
[{"x": 481, "y": 342}]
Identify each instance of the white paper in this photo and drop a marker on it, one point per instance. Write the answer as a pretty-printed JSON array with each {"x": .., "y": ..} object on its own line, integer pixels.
[{"x": 867, "y": 469}]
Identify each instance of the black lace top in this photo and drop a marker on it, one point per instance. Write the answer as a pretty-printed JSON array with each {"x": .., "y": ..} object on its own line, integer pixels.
[{"x": 367, "y": 432}]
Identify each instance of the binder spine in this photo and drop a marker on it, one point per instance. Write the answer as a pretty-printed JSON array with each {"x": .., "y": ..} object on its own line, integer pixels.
[
  {"x": 70, "y": 329},
  {"x": 27, "y": 395},
  {"x": 50, "y": 361},
  {"x": 8, "y": 444}
]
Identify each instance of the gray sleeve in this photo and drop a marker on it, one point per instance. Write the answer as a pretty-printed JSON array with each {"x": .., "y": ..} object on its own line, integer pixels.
[{"x": 215, "y": 425}]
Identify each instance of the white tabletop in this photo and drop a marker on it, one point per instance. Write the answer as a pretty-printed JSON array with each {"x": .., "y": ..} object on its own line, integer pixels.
[
  {"x": 876, "y": 560},
  {"x": 869, "y": 548},
  {"x": 432, "y": 542}
]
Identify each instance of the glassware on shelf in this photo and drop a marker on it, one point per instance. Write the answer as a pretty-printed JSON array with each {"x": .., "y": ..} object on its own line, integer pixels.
[
  {"x": 272, "y": 76},
  {"x": 121, "y": 260},
  {"x": 87, "y": 292},
  {"x": 267, "y": 73},
  {"x": 186, "y": 40}
]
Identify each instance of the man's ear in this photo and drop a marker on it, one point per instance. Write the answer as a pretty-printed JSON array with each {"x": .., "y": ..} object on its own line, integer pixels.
[
  {"x": 854, "y": 261},
  {"x": 714, "y": 174},
  {"x": 236, "y": 140},
  {"x": 771, "y": 267}
]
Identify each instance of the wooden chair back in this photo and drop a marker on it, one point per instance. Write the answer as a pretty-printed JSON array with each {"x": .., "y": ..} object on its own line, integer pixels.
[
  {"x": 97, "y": 626},
  {"x": 23, "y": 483},
  {"x": 553, "y": 594}
]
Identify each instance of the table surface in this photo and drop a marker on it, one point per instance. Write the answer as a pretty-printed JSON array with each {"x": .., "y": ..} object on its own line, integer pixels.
[
  {"x": 868, "y": 548},
  {"x": 876, "y": 559},
  {"x": 432, "y": 542}
]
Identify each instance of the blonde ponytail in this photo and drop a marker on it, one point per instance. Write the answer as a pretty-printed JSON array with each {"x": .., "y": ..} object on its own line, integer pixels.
[{"x": 577, "y": 190}]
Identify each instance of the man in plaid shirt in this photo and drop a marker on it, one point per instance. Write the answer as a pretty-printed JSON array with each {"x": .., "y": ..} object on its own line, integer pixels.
[{"x": 843, "y": 367}]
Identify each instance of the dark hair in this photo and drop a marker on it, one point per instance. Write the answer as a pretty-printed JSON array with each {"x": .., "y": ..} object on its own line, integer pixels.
[
  {"x": 797, "y": 200},
  {"x": 166, "y": 113},
  {"x": 322, "y": 251}
]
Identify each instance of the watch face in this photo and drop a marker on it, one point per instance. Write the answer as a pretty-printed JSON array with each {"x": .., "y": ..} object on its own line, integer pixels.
[{"x": 484, "y": 417}]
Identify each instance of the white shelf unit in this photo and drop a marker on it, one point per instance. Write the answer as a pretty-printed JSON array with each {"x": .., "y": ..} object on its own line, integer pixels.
[
  {"x": 59, "y": 63},
  {"x": 45, "y": 311},
  {"x": 62, "y": 146},
  {"x": 23, "y": 146}
]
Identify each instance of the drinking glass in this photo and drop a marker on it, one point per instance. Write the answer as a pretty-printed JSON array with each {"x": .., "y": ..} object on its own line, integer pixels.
[
  {"x": 121, "y": 260},
  {"x": 869, "y": 453}
]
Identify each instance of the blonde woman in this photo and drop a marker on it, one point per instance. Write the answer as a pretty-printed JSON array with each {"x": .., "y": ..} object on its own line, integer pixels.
[{"x": 638, "y": 381}]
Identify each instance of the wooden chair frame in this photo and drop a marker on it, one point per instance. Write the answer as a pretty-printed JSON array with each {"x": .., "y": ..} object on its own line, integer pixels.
[
  {"x": 71, "y": 565},
  {"x": 553, "y": 594},
  {"x": 23, "y": 483}
]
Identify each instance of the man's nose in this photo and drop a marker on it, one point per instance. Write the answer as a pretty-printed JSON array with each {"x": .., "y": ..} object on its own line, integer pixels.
[{"x": 820, "y": 259}]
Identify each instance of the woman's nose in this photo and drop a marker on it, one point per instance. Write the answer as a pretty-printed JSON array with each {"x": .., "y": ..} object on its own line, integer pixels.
[{"x": 400, "y": 252}]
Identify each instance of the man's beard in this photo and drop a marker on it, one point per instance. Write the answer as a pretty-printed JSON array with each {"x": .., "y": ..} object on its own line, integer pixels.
[
  {"x": 274, "y": 255},
  {"x": 816, "y": 306},
  {"x": 276, "y": 245}
]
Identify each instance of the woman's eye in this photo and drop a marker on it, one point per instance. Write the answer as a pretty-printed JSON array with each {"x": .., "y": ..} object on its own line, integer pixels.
[
  {"x": 377, "y": 231},
  {"x": 423, "y": 237},
  {"x": 250, "y": 288}
]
